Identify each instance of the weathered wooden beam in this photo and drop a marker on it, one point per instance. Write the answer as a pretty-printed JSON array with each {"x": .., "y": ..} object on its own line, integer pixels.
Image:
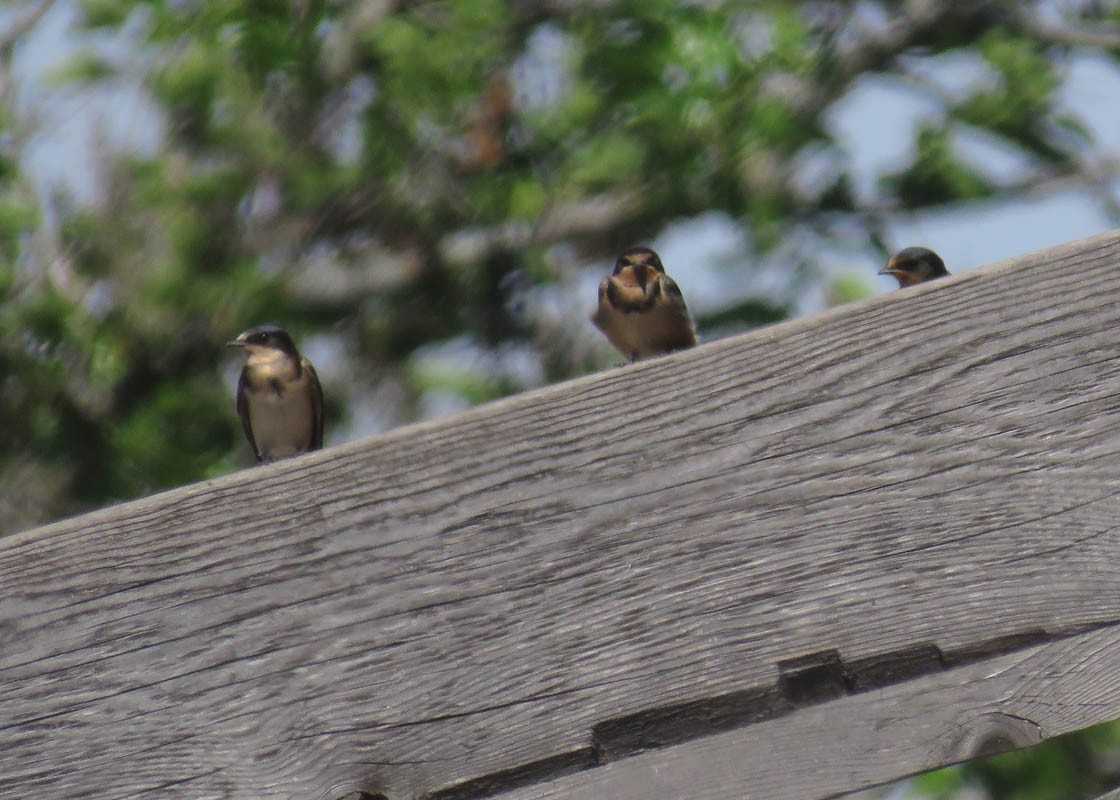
[
  {"x": 740, "y": 535},
  {"x": 1008, "y": 701}
]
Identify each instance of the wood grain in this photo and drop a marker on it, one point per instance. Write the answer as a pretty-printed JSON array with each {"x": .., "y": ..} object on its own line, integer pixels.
[
  {"x": 1015, "y": 700},
  {"x": 937, "y": 466}
]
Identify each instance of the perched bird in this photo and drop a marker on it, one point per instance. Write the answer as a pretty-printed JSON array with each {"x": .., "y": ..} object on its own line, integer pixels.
[
  {"x": 915, "y": 265},
  {"x": 641, "y": 310},
  {"x": 279, "y": 398}
]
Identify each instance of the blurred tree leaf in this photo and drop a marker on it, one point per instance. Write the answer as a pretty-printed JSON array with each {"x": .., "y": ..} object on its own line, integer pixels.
[
  {"x": 83, "y": 68},
  {"x": 742, "y": 315},
  {"x": 937, "y": 174},
  {"x": 848, "y": 288}
]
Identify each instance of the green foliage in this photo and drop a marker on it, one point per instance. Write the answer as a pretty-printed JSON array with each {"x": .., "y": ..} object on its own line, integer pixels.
[
  {"x": 84, "y": 68},
  {"x": 104, "y": 13},
  {"x": 180, "y": 416},
  {"x": 1020, "y": 108},
  {"x": 465, "y": 383},
  {"x": 17, "y": 216},
  {"x": 1080, "y": 765},
  {"x": 848, "y": 288},
  {"x": 740, "y": 316},
  {"x": 601, "y": 162},
  {"x": 18, "y": 212},
  {"x": 323, "y": 163},
  {"x": 937, "y": 175}
]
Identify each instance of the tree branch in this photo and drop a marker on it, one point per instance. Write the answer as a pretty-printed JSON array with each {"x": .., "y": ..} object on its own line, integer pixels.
[
  {"x": 8, "y": 39},
  {"x": 1103, "y": 35},
  {"x": 561, "y": 222},
  {"x": 1040, "y": 183},
  {"x": 23, "y": 25}
]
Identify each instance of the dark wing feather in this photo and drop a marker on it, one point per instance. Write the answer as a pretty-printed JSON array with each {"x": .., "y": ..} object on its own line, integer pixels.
[
  {"x": 671, "y": 288},
  {"x": 316, "y": 405},
  {"x": 243, "y": 411},
  {"x": 674, "y": 291},
  {"x": 686, "y": 336}
]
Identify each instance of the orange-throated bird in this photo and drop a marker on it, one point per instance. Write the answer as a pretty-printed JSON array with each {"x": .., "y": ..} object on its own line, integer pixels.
[
  {"x": 915, "y": 265},
  {"x": 279, "y": 398},
  {"x": 641, "y": 309}
]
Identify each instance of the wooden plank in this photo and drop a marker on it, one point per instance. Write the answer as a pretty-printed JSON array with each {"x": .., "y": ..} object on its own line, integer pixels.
[
  {"x": 477, "y": 594},
  {"x": 1014, "y": 700}
]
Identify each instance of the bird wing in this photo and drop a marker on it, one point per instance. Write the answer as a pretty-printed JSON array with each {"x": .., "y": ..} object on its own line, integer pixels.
[
  {"x": 316, "y": 405},
  {"x": 672, "y": 289},
  {"x": 685, "y": 336},
  {"x": 674, "y": 292},
  {"x": 598, "y": 312},
  {"x": 243, "y": 411}
]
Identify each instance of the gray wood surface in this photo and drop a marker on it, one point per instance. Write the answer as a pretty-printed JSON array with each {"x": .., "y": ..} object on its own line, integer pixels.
[
  {"x": 479, "y": 594},
  {"x": 1014, "y": 700}
]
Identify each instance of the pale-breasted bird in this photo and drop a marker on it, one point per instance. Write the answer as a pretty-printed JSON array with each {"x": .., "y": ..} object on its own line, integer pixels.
[
  {"x": 279, "y": 398},
  {"x": 915, "y": 265},
  {"x": 641, "y": 309}
]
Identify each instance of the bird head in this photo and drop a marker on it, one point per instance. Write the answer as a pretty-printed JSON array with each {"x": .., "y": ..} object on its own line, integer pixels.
[
  {"x": 265, "y": 340},
  {"x": 915, "y": 265},
  {"x": 634, "y": 281}
]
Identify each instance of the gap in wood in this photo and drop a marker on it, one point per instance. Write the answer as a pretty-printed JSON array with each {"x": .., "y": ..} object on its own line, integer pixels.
[
  {"x": 804, "y": 681},
  {"x": 526, "y": 774},
  {"x": 813, "y": 678},
  {"x": 864, "y": 674},
  {"x": 669, "y": 725},
  {"x": 1000, "y": 644}
]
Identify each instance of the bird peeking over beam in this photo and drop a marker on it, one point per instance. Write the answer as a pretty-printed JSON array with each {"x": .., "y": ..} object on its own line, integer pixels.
[
  {"x": 279, "y": 398},
  {"x": 915, "y": 265},
  {"x": 641, "y": 309}
]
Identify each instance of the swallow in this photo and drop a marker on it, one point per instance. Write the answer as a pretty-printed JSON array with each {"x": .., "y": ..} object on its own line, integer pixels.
[
  {"x": 641, "y": 309},
  {"x": 279, "y": 398},
  {"x": 915, "y": 265}
]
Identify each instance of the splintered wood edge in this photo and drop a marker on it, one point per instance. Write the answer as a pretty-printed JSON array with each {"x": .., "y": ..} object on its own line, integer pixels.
[{"x": 981, "y": 709}]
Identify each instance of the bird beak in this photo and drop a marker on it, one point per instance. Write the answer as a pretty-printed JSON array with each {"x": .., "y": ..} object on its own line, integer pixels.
[
  {"x": 235, "y": 343},
  {"x": 891, "y": 268},
  {"x": 643, "y": 273}
]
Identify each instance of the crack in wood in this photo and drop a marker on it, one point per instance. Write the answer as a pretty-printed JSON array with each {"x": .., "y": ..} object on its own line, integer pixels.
[
  {"x": 804, "y": 681},
  {"x": 534, "y": 772},
  {"x": 1000, "y": 644},
  {"x": 669, "y": 725}
]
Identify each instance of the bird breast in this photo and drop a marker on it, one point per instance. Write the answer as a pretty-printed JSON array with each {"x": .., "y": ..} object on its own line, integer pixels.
[{"x": 281, "y": 420}]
